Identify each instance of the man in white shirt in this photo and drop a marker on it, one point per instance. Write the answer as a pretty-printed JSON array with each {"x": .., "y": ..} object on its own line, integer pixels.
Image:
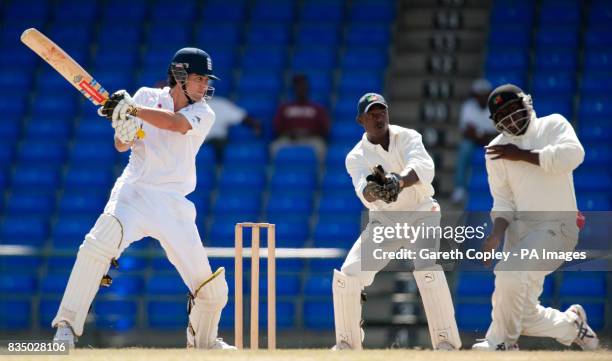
[
  {"x": 405, "y": 197},
  {"x": 227, "y": 114},
  {"x": 148, "y": 199},
  {"x": 477, "y": 131},
  {"x": 530, "y": 168}
]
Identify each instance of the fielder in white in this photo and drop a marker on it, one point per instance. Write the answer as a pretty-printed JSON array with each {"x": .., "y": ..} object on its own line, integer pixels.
[
  {"x": 148, "y": 199},
  {"x": 406, "y": 187},
  {"x": 530, "y": 168}
]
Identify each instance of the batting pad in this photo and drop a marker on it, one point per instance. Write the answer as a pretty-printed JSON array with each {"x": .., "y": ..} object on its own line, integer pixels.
[
  {"x": 438, "y": 306},
  {"x": 347, "y": 309},
  {"x": 93, "y": 260},
  {"x": 205, "y": 311}
]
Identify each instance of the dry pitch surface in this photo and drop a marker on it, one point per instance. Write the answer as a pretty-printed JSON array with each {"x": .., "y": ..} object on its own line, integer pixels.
[{"x": 316, "y": 355}]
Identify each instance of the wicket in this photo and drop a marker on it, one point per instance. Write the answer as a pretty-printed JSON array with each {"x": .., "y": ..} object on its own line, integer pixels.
[{"x": 238, "y": 294}]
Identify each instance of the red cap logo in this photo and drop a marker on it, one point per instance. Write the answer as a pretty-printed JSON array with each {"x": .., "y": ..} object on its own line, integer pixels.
[{"x": 498, "y": 100}]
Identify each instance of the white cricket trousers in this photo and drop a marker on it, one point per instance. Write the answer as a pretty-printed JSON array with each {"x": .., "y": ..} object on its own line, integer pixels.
[
  {"x": 519, "y": 284},
  {"x": 167, "y": 217},
  {"x": 426, "y": 214}
]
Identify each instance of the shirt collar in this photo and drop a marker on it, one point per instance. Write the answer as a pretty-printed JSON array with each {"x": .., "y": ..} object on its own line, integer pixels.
[{"x": 392, "y": 135}]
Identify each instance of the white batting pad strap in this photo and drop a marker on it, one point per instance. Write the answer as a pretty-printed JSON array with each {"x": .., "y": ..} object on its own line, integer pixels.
[
  {"x": 438, "y": 306},
  {"x": 92, "y": 262},
  {"x": 206, "y": 311},
  {"x": 347, "y": 309}
]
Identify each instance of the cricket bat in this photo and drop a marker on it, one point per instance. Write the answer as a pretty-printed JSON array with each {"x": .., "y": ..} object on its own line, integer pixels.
[{"x": 67, "y": 67}]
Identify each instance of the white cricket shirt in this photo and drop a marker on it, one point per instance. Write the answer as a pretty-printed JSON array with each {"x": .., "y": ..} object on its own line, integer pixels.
[
  {"x": 473, "y": 114},
  {"x": 522, "y": 186},
  {"x": 406, "y": 152},
  {"x": 165, "y": 160}
]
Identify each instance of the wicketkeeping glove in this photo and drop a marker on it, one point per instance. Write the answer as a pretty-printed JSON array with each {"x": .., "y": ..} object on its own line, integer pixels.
[{"x": 392, "y": 187}]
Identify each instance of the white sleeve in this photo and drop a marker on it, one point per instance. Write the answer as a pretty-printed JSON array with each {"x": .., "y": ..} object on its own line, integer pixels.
[
  {"x": 464, "y": 118},
  {"x": 503, "y": 200},
  {"x": 358, "y": 169},
  {"x": 140, "y": 96},
  {"x": 417, "y": 158},
  {"x": 201, "y": 118},
  {"x": 564, "y": 153},
  {"x": 227, "y": 111}
]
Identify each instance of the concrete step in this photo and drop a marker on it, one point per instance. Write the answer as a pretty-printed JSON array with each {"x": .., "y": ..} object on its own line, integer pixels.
[
  {"x": 466, "y": 64},
  {"x": 409, "y": 113},
  {"x": 439, "y": 40},
  {"x": 414, "y": 87},
  {"x": 443, "y": 18}
]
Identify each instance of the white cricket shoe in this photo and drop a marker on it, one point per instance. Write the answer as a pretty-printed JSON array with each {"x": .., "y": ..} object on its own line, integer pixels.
[
  {"x": 64, "y": 333},
  {"x": 341, "y": 346},
  {"x": 219, "y": 344},
  {"x": 586, "y": 338},
  {"x": 485, "y": 345}
]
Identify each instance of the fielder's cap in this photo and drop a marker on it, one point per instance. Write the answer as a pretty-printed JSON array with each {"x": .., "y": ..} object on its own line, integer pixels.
[
  {"x": 481, "y": 86},
  {"x": 195, "y": 61},
  {"x": 502, "y": 96},
  {"x": 369, "y": 99}
]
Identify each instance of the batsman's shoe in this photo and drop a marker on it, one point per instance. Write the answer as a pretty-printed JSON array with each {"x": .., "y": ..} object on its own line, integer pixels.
[
  {"x": 586, "y": 338},
  {"x": 222, "y": 345},
  {"x": 342, "y": 346},
  {"x": 485, "y": 345},
  {"x": 64, "y": 333}
]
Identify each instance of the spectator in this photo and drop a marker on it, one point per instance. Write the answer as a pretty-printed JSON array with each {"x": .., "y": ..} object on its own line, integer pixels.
[
  {"x": 227, "y": 113},
  {"x": 477, "y": 130},
  {"x": 301, "y": 122}
]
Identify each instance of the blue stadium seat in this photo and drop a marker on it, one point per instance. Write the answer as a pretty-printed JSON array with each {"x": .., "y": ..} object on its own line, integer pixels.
[
  {"x": 291, "y": 234},
  {"x": 598, "y": 155},
  {"x": 18, "y": 82},
  {"x": 598, "y": 39},
  {"x": 318, "y": 285},
  {"x": 42, "y": 152},
  {"x": 54, "y": 283},
  {"x": 328, "y": 233},
  {"x": 325, "y": 265},
  {"x": 169, "y": 31},
  {"x": 88, "y": 177},
  {"x": 346, "y": 132},
  {"x": 296, "y": 157},
  {"x": 317, "y": 315},
  {"x": 584, "y": 284},
  {"x": 511, "y": 35},
  {"x": 79, "y": 202},
  {"x": 48, "y": 128},
  {"x": 290, "y": 180},
  {"x": 591, "y": 133},
  {"x": 261, "y": 58},
  {"x": 481, "y": 201},
  {"x": 474, "y": 284},
  {"x": 219, "y": 34},
  {"x": 372, "y": 12},
  {"x": 596, "y": 107},
  {"x": 554, "y": 83},
  {"x": 555, "y": 60},
  {"x": 597, "y": 59},
  {"x": 23, "y": 230},
  {"x": 15, "y": 314},
  {"x": 549, "y": 105},
  {"x": 313, "y": 58},
  {"x": 238, "y": 202},
  {"x": 47, "y": 309},
  {"x": 30, "y": 204},
  {"x": 276, "y": 34},
  {"x": 268, "y": 82},
  {"x": 20, "y": 264},
  {"x": 372, "y": 34},
  {"x": 107, "y": 61},
  {"x": 503, "y": 60},
  {"x": 130, "y": 31},
  {"x": 86, "y": 151},
  {"x": 261, "y": 107},
  {"x": 61, "y": 265},
  {"x": 128, "y": 263},
  {"x": 311, "y": 11},
  {"x": 356, "y": 83},
  {"x": 317, "y": 34},
  {"x": 163, "y": 10},
  {"x": 124, "y": 285},
  {"x": 166, "y": 315},
  {"x": 233, "y": 179},
  {"x": 594, "y": 201},
  {"x": 504, "y": 77},
  {"x": 94, "y": 129},
  {"x": 360, "y": 58},
  {"x": 17, "y": 284},
  {"x": 336, "y": 154},
  {"x": 515, "y": 13},
  {"x": 224, "y": 11},
  {"x": 70, "y": 230},
  {"x": 567, "y": 14},
  {"x": 165, "y": 284},
  {"x": 280, "y": 11},
  {"x": 339, "y": 206},
  {"x": 13, "y": 108},
  {"x": 475, "y": 317},
  {"x": 298, "y": 204},
  {"x": 337, "y": 180},
  {"x": 595, "y": 84},
  {"x": 565, "y": 37},
  {"x": 118, "y": 315},
  {"x": 206, "y": 178}
]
